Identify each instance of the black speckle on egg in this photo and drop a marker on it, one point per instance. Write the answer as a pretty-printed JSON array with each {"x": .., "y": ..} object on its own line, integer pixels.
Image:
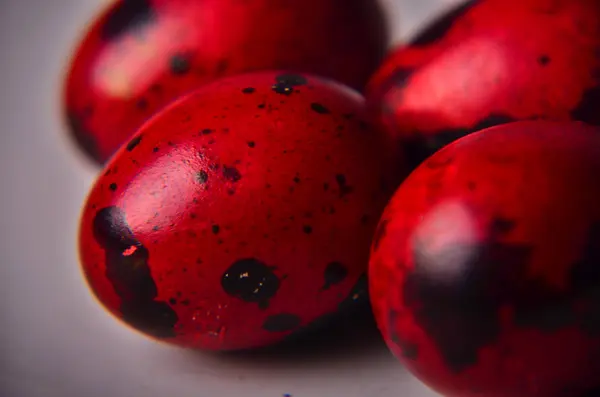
[
  {"x": 215, "y": 229},
  {"x": 283, "y": 322},
  {"x": 179, "y": 64},
  {"x": 249, "y": 90},
  {"x": 127, "y": 269},
  {"x": 206, "y": 131},
  {"x": 231, "y": 174},
  {"x": 468, "y": 307},
  {"x": 112, "y": 186},
  {"x": 307, "y": 229},
  {"x": 250, "y": 280},
  {"x": 285, "y": 83},
  {"x": 133, "y": 143},
  {"x": 317, "y": 107},
  {"x": 222, "y": 66},
  {"x": 544, "y": 60},
  {"x": 502, "y": 226},
  {"x": 343, "y": 186},
  {"x": 251, "y": 144},
  {"x": 334, "y": 273},
  {"x": 141, "y": 104},
  {"x": 202, "y": 177},
  {"x": 126, "y": 16}
]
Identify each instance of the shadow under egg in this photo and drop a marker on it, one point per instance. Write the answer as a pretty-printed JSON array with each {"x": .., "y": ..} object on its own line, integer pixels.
[{"x": 349, "y": 334}]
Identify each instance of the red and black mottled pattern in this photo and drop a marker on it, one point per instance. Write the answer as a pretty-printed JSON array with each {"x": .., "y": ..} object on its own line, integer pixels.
[
  {"x": 485, "y": 267},
  {"x": 127, "y": 269},
  {"x": 486, "y": 63},
  {"x": 240, "y": 215},
  {"x": 139, "y": 55}
]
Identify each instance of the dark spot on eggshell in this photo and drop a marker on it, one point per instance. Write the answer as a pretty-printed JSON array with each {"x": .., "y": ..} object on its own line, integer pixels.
[
  {"x": 112, "y": 186},
  {"x": 419, "y": 147},
  {"x": 134, "y": 142},
  {"x": 202, "y": 177},
  {"x": 215, "y": 229},
  {"x": 249, "y": 90},
  {"x": 363, "y": 125},
  {"x": 461, "y": 314},
  {"x": 141, "y": 104},
  {"x": 307, "y": 229},
  {"x": 343, "y": 186},
  {"x": 587, "y": 108},
  {"x": 82, "y": 137},
  {"x": 285, "y": 83},
  {"x": 283, "y": 322},
  {"x": 335, "y": 273},
  {"x": 317, "y": 107},
  {"x": 502, "y": 226},
  {"x": 250, "y": 280},
  {"x": 355, "y": 304},
  {"x": 127, "y": 16},
  {"x": 251, "y": 144},
  {"x": 231, "y": 174},
  {"x": 179, "y": 64},
  {"x": 440, "y": 27},
  {"x": 222, "y": 66},
  {"x": 127, "y": 269},
  {"x": 543, "y": 60},
  {"x": 206, "y": 131}
]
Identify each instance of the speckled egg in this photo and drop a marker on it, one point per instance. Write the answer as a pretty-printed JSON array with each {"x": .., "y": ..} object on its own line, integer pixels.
[
  {"x": 240, "y": 214},
  {"x": 139, "y": 55},
  {"x": 485, "y": 269},
  {"x": 486, "y": 63}
]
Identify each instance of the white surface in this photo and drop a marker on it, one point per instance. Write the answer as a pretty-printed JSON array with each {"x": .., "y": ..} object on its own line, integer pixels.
[{"x": 56, "y": 340}]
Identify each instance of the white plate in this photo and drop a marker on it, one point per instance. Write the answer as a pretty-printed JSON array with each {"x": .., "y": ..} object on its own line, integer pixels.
[{"x": 56, "y": 340}]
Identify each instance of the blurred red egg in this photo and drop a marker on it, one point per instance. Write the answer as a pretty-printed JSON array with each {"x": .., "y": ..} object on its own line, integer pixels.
[
  {"x": 485, "y": 268},
  {"x": 490, "y": 62},
  {"x": 139, "y": 55}
]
